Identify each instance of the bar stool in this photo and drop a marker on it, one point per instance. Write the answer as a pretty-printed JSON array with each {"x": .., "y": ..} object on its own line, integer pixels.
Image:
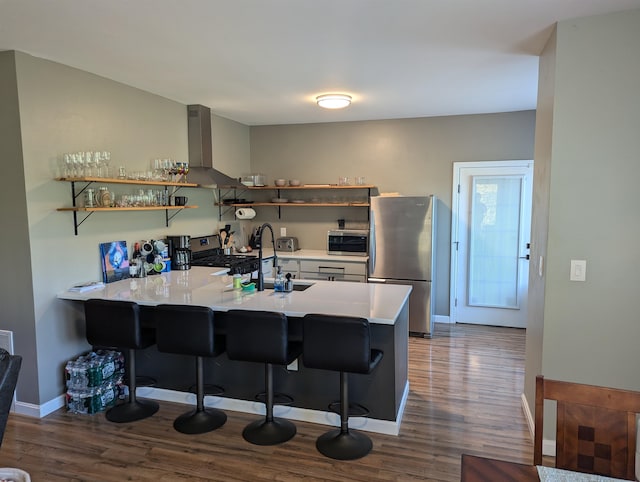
[
  {"x": 262, "y": 336},
  {"x": 116, "y": 325},
  {"x": 340, "y": 343},
  {"x": 189, "y": 330}
]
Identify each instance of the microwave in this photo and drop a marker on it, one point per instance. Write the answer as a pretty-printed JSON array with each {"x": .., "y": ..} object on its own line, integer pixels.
[{"x": 352, "y": 242}]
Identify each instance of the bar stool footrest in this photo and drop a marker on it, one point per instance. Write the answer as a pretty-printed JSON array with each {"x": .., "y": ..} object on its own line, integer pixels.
[
  {"x": 145, "y": 381},
  {"x": 355, "y": 409},
  {"x": 278, "y": 398},
  {"x": 209, "y": 389}
]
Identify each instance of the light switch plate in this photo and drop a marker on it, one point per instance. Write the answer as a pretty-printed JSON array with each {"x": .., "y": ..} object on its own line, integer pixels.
[
  {"x": 283, "y": 232},
  {"x": 578, "y": 270}
]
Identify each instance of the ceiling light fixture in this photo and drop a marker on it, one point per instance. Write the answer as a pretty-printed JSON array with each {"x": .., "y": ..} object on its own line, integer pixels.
[{"x": 334, "y": 101}]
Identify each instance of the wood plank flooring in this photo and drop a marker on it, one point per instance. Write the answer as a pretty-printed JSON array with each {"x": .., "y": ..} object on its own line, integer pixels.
[{"x": 465, "y": 388}]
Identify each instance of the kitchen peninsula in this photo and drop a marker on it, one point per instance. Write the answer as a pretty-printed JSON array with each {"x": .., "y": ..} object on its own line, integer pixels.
[{"x": 383, "y": 392}]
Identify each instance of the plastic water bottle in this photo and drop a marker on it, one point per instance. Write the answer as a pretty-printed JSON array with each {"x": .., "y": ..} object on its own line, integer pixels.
[{"x": 278, "y": 283}]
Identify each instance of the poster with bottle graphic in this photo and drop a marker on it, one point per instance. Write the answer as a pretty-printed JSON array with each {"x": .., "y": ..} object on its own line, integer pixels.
[{"x": 115, "y": 261}]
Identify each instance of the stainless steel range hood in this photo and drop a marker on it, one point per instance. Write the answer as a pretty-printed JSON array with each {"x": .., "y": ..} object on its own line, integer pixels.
[{"x": 201, "y": 169}]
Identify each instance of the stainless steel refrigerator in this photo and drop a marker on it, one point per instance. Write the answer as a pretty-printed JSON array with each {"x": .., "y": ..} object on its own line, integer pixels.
[{"x": 401, "y": 251}]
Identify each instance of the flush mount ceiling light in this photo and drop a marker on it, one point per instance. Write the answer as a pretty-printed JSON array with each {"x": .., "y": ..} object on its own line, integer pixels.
[{"x": 334, "y": 101}]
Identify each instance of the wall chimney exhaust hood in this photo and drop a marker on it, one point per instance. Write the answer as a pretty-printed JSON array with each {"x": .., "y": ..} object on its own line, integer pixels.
[{"x": 201, "y": 169}]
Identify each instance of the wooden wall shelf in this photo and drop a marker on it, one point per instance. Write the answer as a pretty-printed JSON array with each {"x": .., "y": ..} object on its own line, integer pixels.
[
  {"x": 87, "y": 181},
  {"x": 234, "y": 191}
]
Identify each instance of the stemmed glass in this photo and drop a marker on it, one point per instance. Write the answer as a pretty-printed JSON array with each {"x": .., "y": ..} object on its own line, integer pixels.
[
  {"x": 78, "y": 164},
  {"x": 105, "y": 157},
  {"x": 185, "y": 171},
  {"x": 67, "y": 165},
  {"x": 90, "y": 162},
  {"x": 181, "y": 168}
]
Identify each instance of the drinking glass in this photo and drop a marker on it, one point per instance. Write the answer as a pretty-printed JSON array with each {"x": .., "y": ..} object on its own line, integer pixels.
[
  {"x": 78, "y": 164},
  {"x": 89, "y": 165},
  {"x": 106, "y": 159},
  {"x": 185, "y": 167},
  {"x": 67, "y": 165}
]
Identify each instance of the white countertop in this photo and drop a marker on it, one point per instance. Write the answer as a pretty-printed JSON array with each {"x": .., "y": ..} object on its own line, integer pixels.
[
  {"x": 206, "y": 287},
  {"x": 321, "y": 254}
]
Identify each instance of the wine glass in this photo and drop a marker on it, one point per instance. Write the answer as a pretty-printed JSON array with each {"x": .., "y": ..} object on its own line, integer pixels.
[
  {"x": 67, "y": 165},
  {"x": 106, "y": 158},
  {"x": 180, "y": 170},
  {"x": 173, "y": 169},
  {"x": 185, "y": 168},
  {"x": 78, "y": 164}
]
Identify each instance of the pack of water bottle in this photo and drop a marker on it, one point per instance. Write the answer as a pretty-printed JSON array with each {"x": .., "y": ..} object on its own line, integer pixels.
[{"x": 94, "y": 381}]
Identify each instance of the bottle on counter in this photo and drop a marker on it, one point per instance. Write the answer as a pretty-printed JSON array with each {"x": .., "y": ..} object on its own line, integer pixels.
[{"x": 278, "y": 283}]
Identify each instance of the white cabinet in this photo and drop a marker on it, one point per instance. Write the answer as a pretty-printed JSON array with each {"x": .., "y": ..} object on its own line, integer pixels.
[
  {"x": 333, "y": 270},
  {"x": 267, "y": 267},
  {"x": 289, "y": 266}
]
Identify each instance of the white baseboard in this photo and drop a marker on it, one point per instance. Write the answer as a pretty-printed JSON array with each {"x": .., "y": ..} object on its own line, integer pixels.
[
  {"x": 39, "y": 411},
  {"x": 441, "y": 319},
  {"x": 548, "y": 446},
  {"x": 388, "y": 427}
]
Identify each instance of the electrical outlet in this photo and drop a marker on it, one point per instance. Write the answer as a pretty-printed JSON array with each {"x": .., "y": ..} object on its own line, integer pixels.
[{"x": 283, "y": 232}]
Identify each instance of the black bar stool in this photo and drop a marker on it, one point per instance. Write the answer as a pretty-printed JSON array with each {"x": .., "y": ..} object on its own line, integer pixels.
[
  {"x": 116, "y": 325},
  {"x": 340, "y": 343},
  {"x": 189, "y": 330},
  {"x": 262, "y": 336},
  {"x": 9, "y": 371}
]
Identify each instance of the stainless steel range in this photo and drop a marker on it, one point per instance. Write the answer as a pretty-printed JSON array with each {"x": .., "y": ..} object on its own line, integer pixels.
[{"x": 207, "y": 251}]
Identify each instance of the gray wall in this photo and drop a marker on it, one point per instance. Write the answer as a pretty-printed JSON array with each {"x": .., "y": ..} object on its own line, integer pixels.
[
  {"x": 587, "y": 156},
  {"x": 16, "y": 290},
  {"x": 66, "y": 110},
  {"x": 540, "y": 216},
  {"x": 409, "y": 156}
]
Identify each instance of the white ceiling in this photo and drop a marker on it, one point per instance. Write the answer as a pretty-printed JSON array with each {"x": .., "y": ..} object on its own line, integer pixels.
[{"x": 264, "y": 61}]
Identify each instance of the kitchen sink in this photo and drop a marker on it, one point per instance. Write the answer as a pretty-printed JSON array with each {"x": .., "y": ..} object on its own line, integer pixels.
[{"x": 268, "y": 285}]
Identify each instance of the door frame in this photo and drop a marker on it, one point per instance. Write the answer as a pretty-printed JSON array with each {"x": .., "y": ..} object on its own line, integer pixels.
[{"x": 455, "y": 200}]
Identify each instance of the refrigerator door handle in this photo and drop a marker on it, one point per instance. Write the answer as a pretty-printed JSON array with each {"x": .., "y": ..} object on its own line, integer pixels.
[
  {"x": 372, "y": 241},
  {"x": 377, "y": 280}
]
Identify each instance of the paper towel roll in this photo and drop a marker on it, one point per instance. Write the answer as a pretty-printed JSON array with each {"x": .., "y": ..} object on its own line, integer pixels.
[{"x": 245, "y": 213}]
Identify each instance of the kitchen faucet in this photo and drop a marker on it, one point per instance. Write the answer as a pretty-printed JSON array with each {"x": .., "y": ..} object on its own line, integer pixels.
[{"x": 275, "y": 257}]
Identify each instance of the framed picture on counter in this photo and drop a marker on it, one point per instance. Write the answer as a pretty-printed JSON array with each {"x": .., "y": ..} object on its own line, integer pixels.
[{"x": 115, "y": 261}]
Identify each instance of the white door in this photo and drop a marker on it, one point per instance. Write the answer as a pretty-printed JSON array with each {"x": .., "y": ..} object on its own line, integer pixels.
[{"x": 491, "y": 226}]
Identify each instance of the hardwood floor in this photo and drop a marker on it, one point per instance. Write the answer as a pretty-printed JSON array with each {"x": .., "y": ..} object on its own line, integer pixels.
[{"x": 465, "y": 388}]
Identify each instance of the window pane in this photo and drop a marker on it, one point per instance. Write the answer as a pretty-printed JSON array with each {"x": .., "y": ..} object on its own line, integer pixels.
[{"x": 494, "y": 241}]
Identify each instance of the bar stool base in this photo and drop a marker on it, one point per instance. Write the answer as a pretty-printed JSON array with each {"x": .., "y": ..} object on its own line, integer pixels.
[
  {"x": 339, "y": 445},
  {"x": 263, "y": 432},
  {"x": 132, "y": 411},
  {"x": 194, "y": 421}
]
